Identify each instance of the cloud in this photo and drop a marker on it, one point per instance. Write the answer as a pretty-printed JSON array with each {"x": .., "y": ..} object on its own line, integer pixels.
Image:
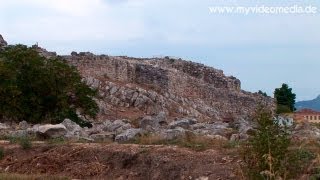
[
  {"x": 68, "y": 20},
  {"x": 165, "y": 21}
]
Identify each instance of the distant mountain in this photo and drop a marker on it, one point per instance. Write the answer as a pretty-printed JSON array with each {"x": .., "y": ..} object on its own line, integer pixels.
[{"x": 311, "y": 104}]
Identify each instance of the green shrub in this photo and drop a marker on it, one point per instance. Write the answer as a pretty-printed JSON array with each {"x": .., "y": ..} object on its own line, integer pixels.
[
  {"x": 25, "y": 143},
  {"x": 298, "y": 162},
  {"x": 59, "y": 140},
  {"x": 231, "y": 144},
  {"x": 267, "y": 154},
  {"x": 35, "y": 89}
]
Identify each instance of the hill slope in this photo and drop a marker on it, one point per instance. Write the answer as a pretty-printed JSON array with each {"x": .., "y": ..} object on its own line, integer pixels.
[
  {"x": 133, "y": 88},
  {"x": 311, "y": 104}
]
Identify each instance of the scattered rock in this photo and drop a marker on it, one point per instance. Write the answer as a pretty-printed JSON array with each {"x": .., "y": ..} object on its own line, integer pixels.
[
  {"x": 23, "y": 125},
  {"x": 149, "y": 124},
  {"x": 71, "y": 126},
  {"x": 52, "y": 131},
  {"x": 153, "y": 123},
  {"x": 184, "y": 123},
  {"x": 305, "y": 131},
  {"x": 111, "y": 127},
  {"x": 170, "y": 134},
  {"x": 123, "y": 128},
  {"x": 4, "y": 126},
  {"x": 73, "y": 129},
  {"x": 217, "y": 137},
  {"x": 103, "y": 137},
  {"x": 128, "y": 135},
  {"x": 198, "y": 126},
  {"x": 235, "y": 137}
]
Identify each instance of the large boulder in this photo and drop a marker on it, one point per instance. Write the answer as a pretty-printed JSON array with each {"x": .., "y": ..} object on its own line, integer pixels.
[
  {"x": 73, "y": 129},
  {"x": 51, "y": 131},
  {"x": 71, "y": 126},
  {"x": 128, "y": 135}
]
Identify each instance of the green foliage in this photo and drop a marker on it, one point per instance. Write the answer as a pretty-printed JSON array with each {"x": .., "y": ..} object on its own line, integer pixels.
[
  {"x": 267, "y": 154},
  {"x": 267, "y": 147},
  {"x": 263, "y": 93},
  {"x": 25, "y": 143},
  {"x": 285, "y": 99},
  {"x": 35, "y": 89},
  {"x": 59, "y": 140},
  {"x": 298, "y": 160}
]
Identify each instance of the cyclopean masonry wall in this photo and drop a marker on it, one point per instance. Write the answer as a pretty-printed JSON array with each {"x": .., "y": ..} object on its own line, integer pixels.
[{"x": 135, "y": 87}]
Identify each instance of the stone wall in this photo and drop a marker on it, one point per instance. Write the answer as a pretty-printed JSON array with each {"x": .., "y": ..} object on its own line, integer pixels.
[{"x": 174, "y": 86}]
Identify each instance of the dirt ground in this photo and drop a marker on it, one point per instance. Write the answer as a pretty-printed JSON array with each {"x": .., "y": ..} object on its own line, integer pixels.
[{"x": 121, "y": 162}]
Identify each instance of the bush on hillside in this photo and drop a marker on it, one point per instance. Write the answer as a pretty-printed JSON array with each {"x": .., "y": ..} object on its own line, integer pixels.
[
  {"x": 267, "y": 154},
  {"x": 37, "y": 89}
]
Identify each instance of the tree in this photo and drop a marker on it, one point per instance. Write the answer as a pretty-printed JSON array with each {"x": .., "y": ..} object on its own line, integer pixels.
[
  {"x": 285, "y": 99},
  {"x": 263, "y": 93},
  {"x": 37, "y": 89}
]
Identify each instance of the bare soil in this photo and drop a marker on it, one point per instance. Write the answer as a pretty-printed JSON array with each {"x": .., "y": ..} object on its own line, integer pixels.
[{"x": 120, "y": 161}]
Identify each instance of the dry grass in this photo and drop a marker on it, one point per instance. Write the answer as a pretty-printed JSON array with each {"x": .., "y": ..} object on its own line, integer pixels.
[{"x": 197, "y": 143}]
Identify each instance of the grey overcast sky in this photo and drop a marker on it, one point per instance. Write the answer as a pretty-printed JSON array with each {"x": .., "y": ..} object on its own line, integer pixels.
[{"x": 262, "y": 50}]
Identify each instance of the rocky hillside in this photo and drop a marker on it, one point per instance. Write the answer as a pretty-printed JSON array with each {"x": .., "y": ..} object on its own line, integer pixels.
[
  {"x": 132, "y": 88},
  {"x": 163, "y": 93}
]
